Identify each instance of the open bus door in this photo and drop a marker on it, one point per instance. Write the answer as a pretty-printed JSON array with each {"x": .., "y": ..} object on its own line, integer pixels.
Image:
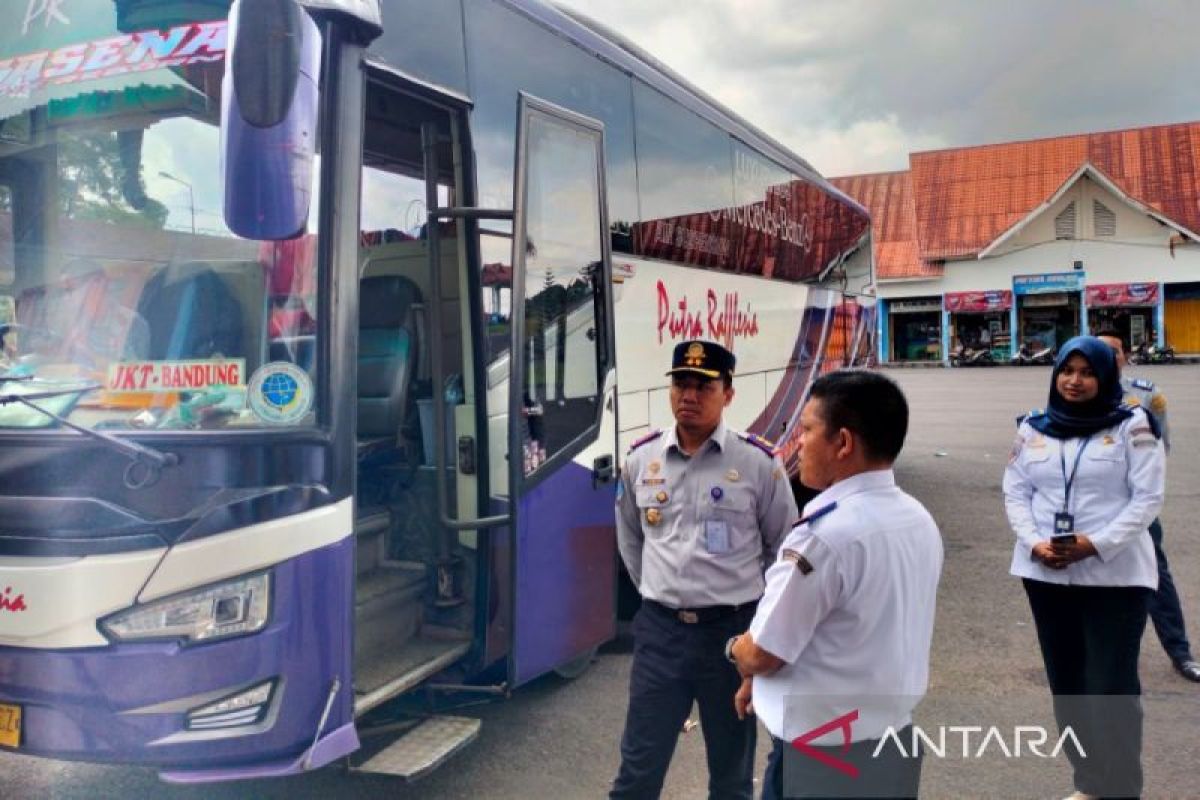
[{"x": 562, "y": 397}]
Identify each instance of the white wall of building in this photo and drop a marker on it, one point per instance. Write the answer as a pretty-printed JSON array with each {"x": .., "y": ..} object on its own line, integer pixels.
[
  {"x": 1103, "y": 262},
  {"x": 1133, "y": 226},
  {"x": 1139, "y": 252},
  {"x": 859, "y": 270}
]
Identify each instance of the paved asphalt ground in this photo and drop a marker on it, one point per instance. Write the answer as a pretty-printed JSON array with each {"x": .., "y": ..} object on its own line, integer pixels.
[{"x": 558, "y": 739}]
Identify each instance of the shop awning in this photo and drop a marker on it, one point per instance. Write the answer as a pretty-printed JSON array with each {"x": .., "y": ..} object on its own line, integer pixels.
[
  {"x": 914, "y": 305},
  {"x": 1122, "y": 294},
  {"x": 978, "y": 302},
  {"x": 1046, "y": 300}
]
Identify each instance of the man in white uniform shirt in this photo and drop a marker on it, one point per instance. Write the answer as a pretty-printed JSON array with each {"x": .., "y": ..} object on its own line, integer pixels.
[{"x": 838, "y": 651}]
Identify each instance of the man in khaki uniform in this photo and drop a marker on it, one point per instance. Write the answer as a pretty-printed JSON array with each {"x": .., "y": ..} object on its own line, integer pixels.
[
  {"x": 1166, "y": 612},
  {"x": 701, "y": 510}
]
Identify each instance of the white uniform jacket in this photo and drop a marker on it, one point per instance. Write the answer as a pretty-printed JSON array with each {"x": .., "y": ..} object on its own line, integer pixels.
[
  {"x": 849, "y": 608},
  {"x": 1116, "y": 493}
]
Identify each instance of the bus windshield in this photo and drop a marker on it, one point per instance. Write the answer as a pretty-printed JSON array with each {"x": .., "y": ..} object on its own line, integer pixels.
[{"x": 118, "y": 273}]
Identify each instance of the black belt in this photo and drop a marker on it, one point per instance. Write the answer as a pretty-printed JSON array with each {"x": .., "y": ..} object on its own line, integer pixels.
[{"x": 702, "y": 615}]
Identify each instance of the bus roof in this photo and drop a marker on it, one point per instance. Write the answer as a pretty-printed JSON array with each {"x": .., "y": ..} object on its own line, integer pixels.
[
  {"x": 614, "y": 48},
  {"x": 630, "y": 58},
  {"x": 368, "y": 12}
]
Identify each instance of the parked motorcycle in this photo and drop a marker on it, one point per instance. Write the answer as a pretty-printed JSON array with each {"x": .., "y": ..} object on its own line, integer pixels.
[
  {"x": 969, "y": 357},
  {"x": 1026, "y": 356},
  {"x": 1045, "y": 356},
  {"x": 1023, "y": 357},
  {"x": 1146, "y": 353}
]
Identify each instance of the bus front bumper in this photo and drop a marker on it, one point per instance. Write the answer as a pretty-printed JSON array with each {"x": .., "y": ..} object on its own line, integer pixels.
[{"x": 130, "y": 702}]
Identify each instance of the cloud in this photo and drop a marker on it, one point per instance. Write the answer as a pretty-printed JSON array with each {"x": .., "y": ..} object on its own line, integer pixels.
[
  {"x": 875, "y": 145},
  {"x": 854, "y": 85}
]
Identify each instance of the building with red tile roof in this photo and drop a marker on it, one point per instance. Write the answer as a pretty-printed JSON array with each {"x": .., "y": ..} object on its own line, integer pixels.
[
  {"x": 1100, "y": 210},
  {"x": 889, "y": 198}
]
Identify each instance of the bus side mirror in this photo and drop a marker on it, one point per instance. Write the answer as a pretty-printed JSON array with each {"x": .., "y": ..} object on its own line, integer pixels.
[{"x": 269, "y": 107}]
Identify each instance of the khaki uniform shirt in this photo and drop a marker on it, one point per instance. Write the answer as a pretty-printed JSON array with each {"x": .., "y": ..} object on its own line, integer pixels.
[
  {"x": 699, "y": 530},
  {"x": 1143, "y": 393}
]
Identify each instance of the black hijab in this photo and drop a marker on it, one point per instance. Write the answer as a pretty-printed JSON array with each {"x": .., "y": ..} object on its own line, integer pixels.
[{"x": 1066, "y": 420}]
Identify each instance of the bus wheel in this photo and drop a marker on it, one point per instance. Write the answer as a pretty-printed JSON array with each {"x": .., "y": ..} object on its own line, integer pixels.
[{"x": 576, "y": 667}]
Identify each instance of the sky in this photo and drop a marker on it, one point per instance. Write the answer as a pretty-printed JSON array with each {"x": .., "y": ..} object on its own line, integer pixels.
[{"x": 854, "y": 86}]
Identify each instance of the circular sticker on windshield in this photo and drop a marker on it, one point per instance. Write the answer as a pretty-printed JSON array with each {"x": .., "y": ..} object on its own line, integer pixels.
[{"x": 280, "y": 393}]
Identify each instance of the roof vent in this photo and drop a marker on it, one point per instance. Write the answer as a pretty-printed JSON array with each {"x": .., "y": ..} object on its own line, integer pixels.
[
  {"x": 1064, "y": 223},
  {"x": 1105, "y": 219}
]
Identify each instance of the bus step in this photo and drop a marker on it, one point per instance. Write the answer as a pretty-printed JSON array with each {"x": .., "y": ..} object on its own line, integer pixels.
[
  {"x": 370, "y": 529},
  {"x": 424, "y": 748},
  {"x": 391, "y": 673}
]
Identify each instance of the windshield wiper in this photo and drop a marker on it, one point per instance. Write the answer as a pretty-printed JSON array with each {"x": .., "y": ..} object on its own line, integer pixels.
[{"x": 153, "y": 460}]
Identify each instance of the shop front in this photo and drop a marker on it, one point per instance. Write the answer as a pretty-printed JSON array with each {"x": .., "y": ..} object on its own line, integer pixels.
[
  {"x": 1181, "y": 317},
  {"x": 1129, "y": 308},
  {"x": 981, "y": 321},
  {"x": 1048, "y": 308},
  {"x": 914, "y": 329}
]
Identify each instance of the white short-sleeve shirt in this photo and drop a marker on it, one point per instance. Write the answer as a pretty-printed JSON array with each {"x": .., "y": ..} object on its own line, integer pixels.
[{"x": 849, "y": 608}]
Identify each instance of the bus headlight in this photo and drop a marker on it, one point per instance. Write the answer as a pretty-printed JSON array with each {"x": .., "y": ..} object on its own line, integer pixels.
[{"x": 213, "y": 612}]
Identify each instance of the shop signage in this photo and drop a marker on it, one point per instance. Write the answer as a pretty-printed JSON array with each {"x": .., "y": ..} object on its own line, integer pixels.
[
  {"x": 1122, "y": 294},
  {"x": 914, "y": 305},
  {"x": 1052, "y": 282},
  {"x": 190, "y": 43},
  {"x": 978, "y": 302}
]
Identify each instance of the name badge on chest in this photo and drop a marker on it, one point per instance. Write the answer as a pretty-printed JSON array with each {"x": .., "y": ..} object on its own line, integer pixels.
[
  {"x": 716, "y": 536},
  {"x": 1064, "y": 523}
]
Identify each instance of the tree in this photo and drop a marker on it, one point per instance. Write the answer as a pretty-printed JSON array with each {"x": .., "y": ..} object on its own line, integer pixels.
[{"x": 100, "y": 179}]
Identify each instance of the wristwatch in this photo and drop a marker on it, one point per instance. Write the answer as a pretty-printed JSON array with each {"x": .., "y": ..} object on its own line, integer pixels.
[{"x": 729, "y": 649}]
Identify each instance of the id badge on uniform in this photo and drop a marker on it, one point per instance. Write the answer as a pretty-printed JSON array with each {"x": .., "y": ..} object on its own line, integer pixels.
[
  {"x": 1064, "y": 523},
  {"x": 716, "y": 536}
]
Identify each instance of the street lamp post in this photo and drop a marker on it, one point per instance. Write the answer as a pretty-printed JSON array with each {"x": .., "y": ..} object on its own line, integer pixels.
[{"x": 191, "y": 196}]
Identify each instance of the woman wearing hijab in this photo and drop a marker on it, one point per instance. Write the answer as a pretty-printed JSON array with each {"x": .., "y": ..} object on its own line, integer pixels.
[{"x": 1083, "y": 483}]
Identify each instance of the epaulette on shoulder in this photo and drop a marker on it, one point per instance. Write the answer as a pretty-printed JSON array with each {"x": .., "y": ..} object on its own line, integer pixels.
[
  {"x": 1144, "y": 385},
  {"x": 649, "y": 437},
  {"x": 766, "y": 445},
  {"x": 1037, "y": 412},
  {"x": 1151, "y": 420}
]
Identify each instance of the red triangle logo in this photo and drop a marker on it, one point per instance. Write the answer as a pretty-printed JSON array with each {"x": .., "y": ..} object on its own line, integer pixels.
[{"x": 842, "y": 723}]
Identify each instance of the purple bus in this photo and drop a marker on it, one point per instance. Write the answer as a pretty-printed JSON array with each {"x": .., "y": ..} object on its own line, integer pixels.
[{"x": 324, "y": 324}]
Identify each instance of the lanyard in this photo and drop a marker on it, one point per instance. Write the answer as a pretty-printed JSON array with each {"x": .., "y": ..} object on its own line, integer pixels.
[{"x": 1068, "y": 481}]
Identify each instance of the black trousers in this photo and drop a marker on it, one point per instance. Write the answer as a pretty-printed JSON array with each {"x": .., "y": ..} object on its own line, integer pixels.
[
  {"x": 1090, "y": 638},
  {"x": 674, "y": 665},
  {"x": 1165, "y": 610},
  {"x": 891, "y": 774}
]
